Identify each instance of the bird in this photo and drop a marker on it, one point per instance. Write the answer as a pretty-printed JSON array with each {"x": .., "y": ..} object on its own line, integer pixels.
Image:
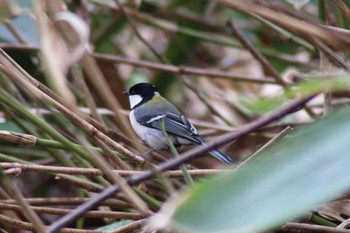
[{"x": 148, "y": 109}]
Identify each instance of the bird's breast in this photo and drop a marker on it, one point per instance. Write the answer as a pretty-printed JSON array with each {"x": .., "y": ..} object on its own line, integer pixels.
[{"x": 152, "y": 137}]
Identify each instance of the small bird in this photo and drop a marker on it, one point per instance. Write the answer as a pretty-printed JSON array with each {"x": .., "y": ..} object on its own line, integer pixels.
[{"x": 149, "y": 108}]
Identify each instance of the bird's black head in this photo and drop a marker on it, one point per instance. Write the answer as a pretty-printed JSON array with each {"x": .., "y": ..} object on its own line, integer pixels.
[
  {"x": 140, "y": 94},
  {"x": 142, "y": 89}
]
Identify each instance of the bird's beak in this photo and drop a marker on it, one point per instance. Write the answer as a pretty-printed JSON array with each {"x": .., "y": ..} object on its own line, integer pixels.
[{"x": 126, "y": 93}]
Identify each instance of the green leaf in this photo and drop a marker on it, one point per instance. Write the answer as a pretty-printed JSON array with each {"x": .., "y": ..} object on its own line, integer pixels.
[
  {"x": 10, "y": 126},
  {"x": 20, "y": 6},
  {"x": 298, "y": 4},
  {"x": 114, "y": 225},
  {"x": 282, "y": 184}
]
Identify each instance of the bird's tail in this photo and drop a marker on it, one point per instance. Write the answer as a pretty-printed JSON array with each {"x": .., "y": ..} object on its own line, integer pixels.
[{"x": 221, "y": 156}]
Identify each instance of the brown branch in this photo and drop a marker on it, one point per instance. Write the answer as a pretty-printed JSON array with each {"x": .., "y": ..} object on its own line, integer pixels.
[
  {"x": 344, "y": 224},
  {"x": 164, "y": 67},
  {"x": 343, "y": 7},
  {"x": 81, "y": 183},
  {"x": 335, "y": 58},
  {"x": 185, "y": 69},
  {"x": 66, "y": 201},
  {"x": 97, "y": 172},
  {"x": 89, "y": 214},
  {"x": 193, "y": 153},
  {"x": 131, "y": 227},
  {"x": 29, "y": 227},
  {"x": 312, "y": 228}
]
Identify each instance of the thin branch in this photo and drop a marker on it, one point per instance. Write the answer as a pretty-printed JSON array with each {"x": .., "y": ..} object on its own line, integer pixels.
[
  {"x": 29, "y": 227},
  {"x": 335, "y": 58},
  {"x": 344, "y": 224},
  {"x": 185, "y": 69},
  {"x": 81, "y": 183},
  {"x": 15, "y": 32},
  {"x": 343, "y": 7},
  {"x": 165, "y": 67},
  {"x": 193, "y": 153},
  {"x": 312, "y": 228},
  {"x": 60, "y": 211},
  {"x": 66, "y": 201},
  {"x": 131, "y": 227},
  {"x": 97, "y": 172}
]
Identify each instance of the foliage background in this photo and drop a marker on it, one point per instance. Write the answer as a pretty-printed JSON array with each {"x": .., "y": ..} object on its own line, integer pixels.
[{"x": 84, "y": 54}]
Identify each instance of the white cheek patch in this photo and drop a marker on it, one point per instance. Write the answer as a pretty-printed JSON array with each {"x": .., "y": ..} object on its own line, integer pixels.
[{"x": 134, "y": 100}]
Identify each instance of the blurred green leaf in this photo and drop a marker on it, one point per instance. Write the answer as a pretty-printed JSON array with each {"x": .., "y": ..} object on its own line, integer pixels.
[
  {"x": 310, "y": 86},
  {"x": 298, "y": 4},
  {"x": 20, "y": 6},
  {"x": 4, "y": 11},
  {"x": 304, "y": 170},
  {"x": 114, "y": 225},
  {"x": 10, "y": 126}
]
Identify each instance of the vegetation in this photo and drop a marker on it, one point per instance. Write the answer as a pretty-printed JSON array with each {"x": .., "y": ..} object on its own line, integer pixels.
[{"x": 265, "y": 81}]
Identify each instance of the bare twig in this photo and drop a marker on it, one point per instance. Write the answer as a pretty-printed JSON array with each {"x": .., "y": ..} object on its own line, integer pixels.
[
  {"x": 29, "y": 227},
  {"x": 97, "y": 172},
  {"x": 186, "y": 69},
  {"x": 131, "y": 227},
  {"x": 343, "y": 7},
  {"x": 81, "y": 183},
  {"x": 15, "y": 32},
  {"x": 313, "y": 228},
  {"x": 66, "y": 201},
  {"x": 330, "y": 54},
  {"x": 344, "y": 224},
  {"x": 60, "y": 211}
]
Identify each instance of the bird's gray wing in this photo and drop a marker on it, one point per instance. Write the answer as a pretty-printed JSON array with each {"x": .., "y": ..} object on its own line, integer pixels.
[{"x": 175, "y": 124}]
